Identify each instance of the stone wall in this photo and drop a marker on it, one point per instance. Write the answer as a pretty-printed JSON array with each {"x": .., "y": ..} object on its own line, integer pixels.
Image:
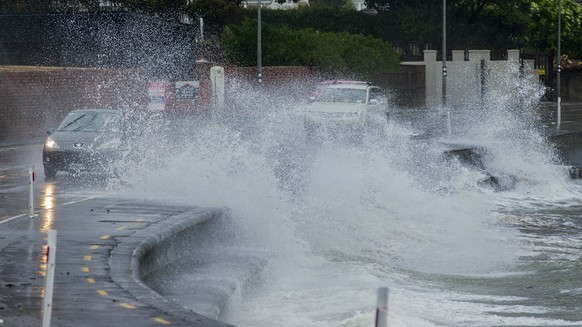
[{"x": 295, "y": 81}]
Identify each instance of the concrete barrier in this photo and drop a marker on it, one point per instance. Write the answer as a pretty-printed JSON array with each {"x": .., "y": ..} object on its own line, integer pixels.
[
  {"x": 168, "y": 245},
  {"x": 189, "y": 265},
  {"x": 155, "y": 247}
]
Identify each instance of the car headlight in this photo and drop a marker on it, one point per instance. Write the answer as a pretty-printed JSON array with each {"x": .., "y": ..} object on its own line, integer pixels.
[{"x": 51, "y": 144}]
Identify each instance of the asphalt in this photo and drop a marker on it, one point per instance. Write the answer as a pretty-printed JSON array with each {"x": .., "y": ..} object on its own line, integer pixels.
[
  {"x": 104, "y": 249},
  {"x": 101, "y": 246}
]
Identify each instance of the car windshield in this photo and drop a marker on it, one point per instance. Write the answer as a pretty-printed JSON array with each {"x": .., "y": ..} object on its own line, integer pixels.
[
  {"x": 90, "y": 121},
  {"x": 342, "y": 95}
]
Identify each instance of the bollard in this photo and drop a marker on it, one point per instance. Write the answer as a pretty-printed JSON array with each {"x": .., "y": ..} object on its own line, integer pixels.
[
  {"x": 47, "y": 303},
  {"x": 31, "y": 192},
  {"x": 49, "y": 280},
  {"x": 559, "y": 120},
  {"x": 382, "y": 308}
]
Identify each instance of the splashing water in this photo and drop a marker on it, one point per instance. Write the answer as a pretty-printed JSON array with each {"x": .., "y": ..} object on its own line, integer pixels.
[{"x": 345, "y": 218}]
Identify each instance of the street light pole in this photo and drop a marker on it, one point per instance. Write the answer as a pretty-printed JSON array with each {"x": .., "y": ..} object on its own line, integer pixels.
[
  {"x": 444, "y": 61},
  {"x": 559, "y": 64},
  {"x": 259, "y": 50},
  {"x": 444, "y": 53}
]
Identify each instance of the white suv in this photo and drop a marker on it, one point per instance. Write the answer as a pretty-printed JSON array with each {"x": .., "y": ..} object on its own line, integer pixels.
[{"x": 349, "y": 106}]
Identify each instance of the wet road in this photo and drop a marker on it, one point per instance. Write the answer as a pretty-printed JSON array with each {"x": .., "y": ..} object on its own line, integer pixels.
[
  {"x": 94, "y": 277},
  {"x": 91, "y": 227},
  {"x": 15, "y": 161}
]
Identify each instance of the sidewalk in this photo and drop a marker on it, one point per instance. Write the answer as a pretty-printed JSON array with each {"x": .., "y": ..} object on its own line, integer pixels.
[{"x": 94, "y": 283}]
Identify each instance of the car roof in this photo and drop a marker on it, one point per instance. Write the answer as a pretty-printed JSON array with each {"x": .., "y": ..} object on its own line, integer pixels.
[
  {"x": 361, "y": 86},
  {"x": 97, "y": 109},
  {"x": 341, "y": 81}
]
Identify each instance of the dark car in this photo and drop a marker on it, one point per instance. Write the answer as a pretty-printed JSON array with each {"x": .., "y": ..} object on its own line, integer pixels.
[{"x": 87, "y": 140}]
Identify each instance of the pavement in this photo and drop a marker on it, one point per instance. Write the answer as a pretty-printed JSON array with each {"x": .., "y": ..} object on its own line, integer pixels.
[
  {"x": 570, "y": 117},
  {"x": 102, "y": 248}
]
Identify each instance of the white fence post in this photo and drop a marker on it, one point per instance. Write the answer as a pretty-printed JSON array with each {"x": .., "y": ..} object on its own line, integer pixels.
[
  {"x": 382, "y": 308},
  {"x": 31, "y": 192},
  {"x": 47, "y": 306},
  {"x": 217, "y": 91}
]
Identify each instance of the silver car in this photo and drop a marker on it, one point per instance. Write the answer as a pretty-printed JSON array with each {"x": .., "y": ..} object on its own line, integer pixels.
[{"x": 87, "y": 140}]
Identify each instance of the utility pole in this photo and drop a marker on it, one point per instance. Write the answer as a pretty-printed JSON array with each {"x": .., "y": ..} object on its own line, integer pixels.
[
  {"x": 259, "y": 50},
  {"x": 559, "y": 65},
  {"x": 444, "y": 61},
  {"x": 444, "y": 53}
]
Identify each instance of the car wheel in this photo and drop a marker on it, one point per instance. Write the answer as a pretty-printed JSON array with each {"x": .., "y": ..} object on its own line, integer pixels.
[{"x": 50, "y": 173}]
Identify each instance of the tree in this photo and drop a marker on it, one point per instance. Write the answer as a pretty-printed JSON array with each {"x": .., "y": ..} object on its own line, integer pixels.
[
  {"x": 492, "y": 24},
  {"x": 543, "y": 28},
  {"x": 165, "y": 8},
  {"x": 344, "y": 54},
  {"x": 216, "y": 14},
  {"x": 332, "y": 4},
  {"x": 45, "y": 6}
]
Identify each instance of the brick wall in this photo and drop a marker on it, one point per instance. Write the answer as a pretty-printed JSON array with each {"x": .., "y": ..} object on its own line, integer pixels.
[
  {"x": 294, "y": 83},
  {"x": 34, "y": 99}
]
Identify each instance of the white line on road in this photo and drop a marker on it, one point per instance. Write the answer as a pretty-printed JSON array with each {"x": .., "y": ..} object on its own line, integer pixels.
[{"x": 26, "y": 215}]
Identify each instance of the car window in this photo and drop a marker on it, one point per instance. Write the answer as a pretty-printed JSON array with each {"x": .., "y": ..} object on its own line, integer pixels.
[
  {"x": 342, "y": 95},
  {"x": 377, "y": 94},
  {"x": 85, "y": 121}
]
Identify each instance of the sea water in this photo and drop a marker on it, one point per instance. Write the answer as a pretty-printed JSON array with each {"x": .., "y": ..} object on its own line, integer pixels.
[{"x": 344, "y": 217}]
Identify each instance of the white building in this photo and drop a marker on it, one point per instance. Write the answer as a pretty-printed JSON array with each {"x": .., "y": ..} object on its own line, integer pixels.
[
  {"x": 273, "y": 4},
  {"x": 359, "y": 4}
]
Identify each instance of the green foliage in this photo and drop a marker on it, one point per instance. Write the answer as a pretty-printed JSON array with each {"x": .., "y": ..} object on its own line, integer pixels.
[
  {"x": 163, "y": 7},
  {"x": 46, "y": 6},
  {"x": 529, "y": 25},
  {"x": 391, "y": 27},
  {"x": 543, "y": 27},
  {"x": 332, "y": 4},
  {"x": 216, "y": 14},
  {"x": 337, "y": 54}
]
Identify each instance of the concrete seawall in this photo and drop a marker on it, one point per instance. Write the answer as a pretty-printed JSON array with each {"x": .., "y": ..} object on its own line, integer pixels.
[
  {"x": 189, "y": 266},
  {"x": 156, "y": 247}
]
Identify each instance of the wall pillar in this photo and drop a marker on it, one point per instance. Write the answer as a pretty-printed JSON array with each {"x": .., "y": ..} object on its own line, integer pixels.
[
  {"x": 433, "y": 94},
  {"x": 458, "y": 55},
  {"x": 478, "y": 55},
  {"x": 217, "y": 90},
  {"x": 513, "y": 55}
]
